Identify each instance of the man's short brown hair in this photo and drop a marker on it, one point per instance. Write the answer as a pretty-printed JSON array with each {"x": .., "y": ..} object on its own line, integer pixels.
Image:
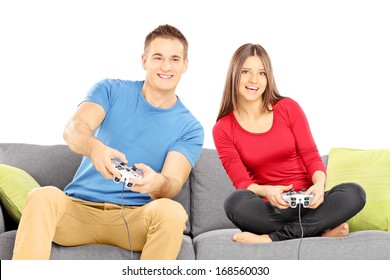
[{"x": 168, "y": 32}]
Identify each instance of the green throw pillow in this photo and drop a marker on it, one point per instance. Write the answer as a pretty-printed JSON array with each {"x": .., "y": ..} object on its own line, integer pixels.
[
  {"x": 370, "y": 169},
  {"x": 15, "y": 184}
]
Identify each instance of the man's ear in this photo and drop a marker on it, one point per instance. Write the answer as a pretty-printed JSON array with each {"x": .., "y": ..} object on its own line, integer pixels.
[
  {"x": 143, "y": 59},
  {"x": 185, "y": 65}
]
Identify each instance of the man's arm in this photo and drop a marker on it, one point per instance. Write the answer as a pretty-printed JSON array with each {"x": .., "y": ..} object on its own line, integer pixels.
[
  {"x": 78, "y": 134},
  {"x": 169, "y": 182}
]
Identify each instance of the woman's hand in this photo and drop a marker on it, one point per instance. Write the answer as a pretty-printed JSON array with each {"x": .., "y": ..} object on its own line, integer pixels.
[
  {"x": 272, "y": 193},
  {"x": 318, "y": 191}
]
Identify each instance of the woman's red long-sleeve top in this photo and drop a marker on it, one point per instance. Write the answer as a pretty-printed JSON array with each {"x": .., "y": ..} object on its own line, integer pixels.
[{"x": 286, "y": 154}]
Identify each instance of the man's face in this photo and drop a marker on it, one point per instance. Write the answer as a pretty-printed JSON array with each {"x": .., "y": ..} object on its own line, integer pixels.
[{"x": 164, "y": 63}]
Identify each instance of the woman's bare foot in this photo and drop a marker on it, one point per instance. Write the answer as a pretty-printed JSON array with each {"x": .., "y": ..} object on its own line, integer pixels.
[
  {"x": 250, "y": 238},
  {"x": 339, "y": 231}
]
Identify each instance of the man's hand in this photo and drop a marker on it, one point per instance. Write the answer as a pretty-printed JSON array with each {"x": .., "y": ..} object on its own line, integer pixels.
[
  {"x": 151, "y": 182},
  {"x": 78, "y": 134},
  {"x": 169, "y": 182},
  {"x": 101, "y": 156}
]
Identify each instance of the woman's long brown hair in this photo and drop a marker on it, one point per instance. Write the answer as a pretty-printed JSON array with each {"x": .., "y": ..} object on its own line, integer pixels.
[{"x": 229, "y": 100}]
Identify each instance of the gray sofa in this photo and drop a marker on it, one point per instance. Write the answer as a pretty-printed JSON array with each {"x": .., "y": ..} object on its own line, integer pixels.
[{"x": 208, "y": 233}]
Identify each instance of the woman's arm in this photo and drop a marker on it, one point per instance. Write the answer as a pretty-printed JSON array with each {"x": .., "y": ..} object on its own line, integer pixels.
[
  {"x": 229, "y": 156},
  {"x": 318, "y": 188},
  {"x": 272, "y": 193}
]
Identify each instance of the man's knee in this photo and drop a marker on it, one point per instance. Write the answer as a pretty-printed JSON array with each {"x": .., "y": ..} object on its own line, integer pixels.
[
  {"x": 40, "y": 199},
  {"x": 42, "y": 196},
  {"x": 168, "y": 210}
]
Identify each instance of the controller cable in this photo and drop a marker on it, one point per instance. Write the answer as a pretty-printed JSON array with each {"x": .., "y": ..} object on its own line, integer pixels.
[
  {"x": 127, "y": 226},
  {"x": 300, "y": 223}
]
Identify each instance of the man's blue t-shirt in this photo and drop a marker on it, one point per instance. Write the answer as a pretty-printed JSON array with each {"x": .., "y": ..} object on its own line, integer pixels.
[{"x": 144, "y": 133}]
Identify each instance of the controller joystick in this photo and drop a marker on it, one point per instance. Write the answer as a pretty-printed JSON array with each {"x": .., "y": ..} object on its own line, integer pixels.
[
  {"x": 127, "y": 173},
  {"x": 294, "y": 198}
]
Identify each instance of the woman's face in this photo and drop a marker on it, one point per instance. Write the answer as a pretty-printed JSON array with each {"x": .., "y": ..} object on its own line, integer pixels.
[{"x": 253, "y": 80}]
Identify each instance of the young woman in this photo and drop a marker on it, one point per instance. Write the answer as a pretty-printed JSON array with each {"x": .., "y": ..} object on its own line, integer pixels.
[{"x": 266, "y": 147}]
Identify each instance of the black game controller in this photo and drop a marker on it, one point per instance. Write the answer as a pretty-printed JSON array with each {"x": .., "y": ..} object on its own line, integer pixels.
[
  {"x": 127, "y": 173},
  {"x": 294, "y": 198}
]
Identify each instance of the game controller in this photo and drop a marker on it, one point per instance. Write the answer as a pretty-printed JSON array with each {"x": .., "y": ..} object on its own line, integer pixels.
[
  {"x": 127, "y": 173},
  {"x": 294, "y": 198}
]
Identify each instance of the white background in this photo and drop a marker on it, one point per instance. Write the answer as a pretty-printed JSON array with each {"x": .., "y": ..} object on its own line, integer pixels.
[
  {"x": 278, "y": 269},
  {"x": 333, "y": 57}
]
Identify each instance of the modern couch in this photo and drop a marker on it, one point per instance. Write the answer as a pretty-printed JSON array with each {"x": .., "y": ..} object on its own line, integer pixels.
[{"x": 208, "y": 235}]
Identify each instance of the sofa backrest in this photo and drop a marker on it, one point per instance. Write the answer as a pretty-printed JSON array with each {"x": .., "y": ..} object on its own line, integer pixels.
[
  {"x": 49, "y": 165},
  {"x": 202, "y": 196},
  {"x": 210, "y": 185},
  {"x": 55, "y": 165}
]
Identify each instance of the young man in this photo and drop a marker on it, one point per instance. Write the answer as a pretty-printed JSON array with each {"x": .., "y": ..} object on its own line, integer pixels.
[{"x": 140, "y": 123}]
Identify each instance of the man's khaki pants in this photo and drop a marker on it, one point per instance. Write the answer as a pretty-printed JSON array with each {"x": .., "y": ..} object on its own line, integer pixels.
[{"x": 49, "y": 215}]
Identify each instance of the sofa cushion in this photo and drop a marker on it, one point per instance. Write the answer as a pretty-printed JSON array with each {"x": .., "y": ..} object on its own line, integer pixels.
[
  {"x": 53, "y": 165},
  {"x": 89, "y": 252},
  {"x": 362, "y": 245},
  {"x": 210, "y": 185},
  {"x": 108, "y": 252},
  {"x": 15, "y": 184},
  {"x": 370, "y": 169}
]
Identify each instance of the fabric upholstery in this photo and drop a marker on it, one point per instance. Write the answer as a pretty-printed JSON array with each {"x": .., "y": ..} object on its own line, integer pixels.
[
  {"x": 202, "y": 196},
  {"x": 15, "y": 184},
  {"x": 371, "y": 170},
  {"x": 49, "y": 165},
  {"x": 210, "y": 185}
]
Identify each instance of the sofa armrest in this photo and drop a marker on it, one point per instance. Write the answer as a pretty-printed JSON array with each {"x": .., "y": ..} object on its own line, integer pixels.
[
  {"x": 6, "y": 222},
  {"x": 2, "y": 221},
  {"x": 325, "y": 159}
]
